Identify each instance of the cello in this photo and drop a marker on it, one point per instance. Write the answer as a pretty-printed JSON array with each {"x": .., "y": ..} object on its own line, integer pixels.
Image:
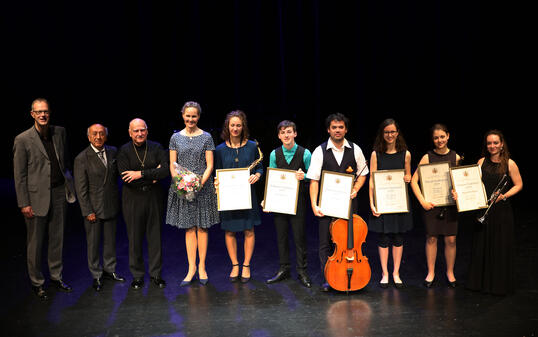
[{"x": 347, "y": 269}]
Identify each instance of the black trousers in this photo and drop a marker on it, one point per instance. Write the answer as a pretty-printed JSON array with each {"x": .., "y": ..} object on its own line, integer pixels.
[
  {"x": 106, "y": 228},
  {"x": 297, "y": 222},
  {"x": 143, "y": 213}
]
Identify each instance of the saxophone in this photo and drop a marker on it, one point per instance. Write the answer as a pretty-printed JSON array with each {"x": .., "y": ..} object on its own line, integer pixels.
[{"x": 260, "y": 157}]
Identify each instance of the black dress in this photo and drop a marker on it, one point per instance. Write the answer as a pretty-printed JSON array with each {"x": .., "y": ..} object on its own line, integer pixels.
[
  {"x": 441, "y": 220},
  {"x": 492, "y": 256},
  {"x": 391, "y": 223}
]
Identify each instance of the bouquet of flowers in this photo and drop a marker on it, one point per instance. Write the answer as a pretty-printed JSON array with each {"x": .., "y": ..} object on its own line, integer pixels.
[{"x": 186, "y": 183}]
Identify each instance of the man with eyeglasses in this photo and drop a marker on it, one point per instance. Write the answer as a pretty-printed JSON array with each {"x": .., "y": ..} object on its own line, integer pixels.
[
  {"x": 142, "y": 163},
  {"x": 96, "y": 183},
  {"x": 43, "y": 184}
]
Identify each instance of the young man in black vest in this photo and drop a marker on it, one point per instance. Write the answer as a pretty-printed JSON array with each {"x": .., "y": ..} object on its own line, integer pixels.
[
  {"x": 337, "y": 155},
  {"x": 291, "y": 156}
]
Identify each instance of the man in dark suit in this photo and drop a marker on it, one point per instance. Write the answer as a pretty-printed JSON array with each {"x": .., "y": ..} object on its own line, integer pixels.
[
  {"x": 96, "y": 183},
  {"x": 43, "y": 185}
]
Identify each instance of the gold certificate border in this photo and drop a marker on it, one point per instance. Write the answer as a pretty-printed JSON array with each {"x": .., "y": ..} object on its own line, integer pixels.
[
  {"x": 441, "y": 163},
  {"x": 352, "y": 176},
  {"x": 267, "y": 181},
  {"x": 383, "y": 172},
  {"x": 477, "y": 167},
  {"x": 228, "y": 170}
]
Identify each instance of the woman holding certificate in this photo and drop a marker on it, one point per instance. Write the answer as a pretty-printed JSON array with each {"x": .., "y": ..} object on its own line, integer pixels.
[
  {"x": 390, "y": 153},
  {"x": 238, "y": 152},
  {"x": 191, "y": 155},
  {"x": 492, "y": 256},
  {"x": 439, "y": 220}
]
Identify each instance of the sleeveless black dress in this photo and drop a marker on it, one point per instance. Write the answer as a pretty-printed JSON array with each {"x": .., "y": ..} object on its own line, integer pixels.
[
  {"x": 492, "y": 257},
  {"x": 391, "y": 223},
  {"x": 441, "y": 220}
]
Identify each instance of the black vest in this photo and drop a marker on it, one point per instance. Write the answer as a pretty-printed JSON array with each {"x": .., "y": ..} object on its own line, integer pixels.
[
  {"x": 295, "y": 163},
  {"x": 348, "y": 160}
]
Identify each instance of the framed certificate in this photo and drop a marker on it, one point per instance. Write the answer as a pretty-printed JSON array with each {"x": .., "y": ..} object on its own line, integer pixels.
[
  {"x": 281, "y": 191},
  {"x": 436, "y": 184},
  {"x": 335, "y": 194},
  {"x": 233, "y": 191},
  {"x": 390, "y": 191},
  {"x": 467, "y": 181}
]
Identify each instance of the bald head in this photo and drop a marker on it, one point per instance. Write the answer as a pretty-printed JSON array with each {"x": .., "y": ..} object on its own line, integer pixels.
[{"x": 138, "y": 131}]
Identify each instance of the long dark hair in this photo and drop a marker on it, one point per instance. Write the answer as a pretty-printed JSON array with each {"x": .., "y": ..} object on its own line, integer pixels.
[
  {"x": 225, "y": 134},
  {"x": 380, "y": 146},
  {"x": 505, "y": 153}
]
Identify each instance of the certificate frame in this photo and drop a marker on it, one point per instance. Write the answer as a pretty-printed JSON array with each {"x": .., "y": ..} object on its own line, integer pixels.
[
  {"x": 390, "y": 179},
  {"x": 239, "y": 194},
  {"x": 467, "y": 182},
  {"x": 436, "y": 172},
  {"x": 274, "y": 190},
  {"x": 329, "y": 197}
]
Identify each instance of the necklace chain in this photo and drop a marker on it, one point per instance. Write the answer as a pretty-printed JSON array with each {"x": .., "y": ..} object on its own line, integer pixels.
[{"x": 145, "y": 154}]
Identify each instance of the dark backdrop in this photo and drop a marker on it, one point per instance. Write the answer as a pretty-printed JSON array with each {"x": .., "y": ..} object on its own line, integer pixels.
[{"x": 463, "y": 63}]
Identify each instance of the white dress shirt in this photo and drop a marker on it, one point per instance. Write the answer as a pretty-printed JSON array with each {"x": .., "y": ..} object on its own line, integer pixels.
[{"x": 314, "y": 171}]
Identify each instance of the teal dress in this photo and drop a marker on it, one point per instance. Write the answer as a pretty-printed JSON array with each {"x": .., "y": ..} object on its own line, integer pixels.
[{"x": 225, "y": 158}]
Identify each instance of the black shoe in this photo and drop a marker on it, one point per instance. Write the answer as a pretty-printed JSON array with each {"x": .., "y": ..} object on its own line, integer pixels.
[
  {"x": 428, "y": 284},
  {"x": 137, "y": 283},
  {"x": 40, "y": 292},
  {"x": 398, "y": 285},
  {"x": 113, "y": 277},
  {"x": 452, "y": 284},
  {"x": 245, "y": 279},
  {"x": 304, "y": 279},
  {"x": 383, "y": 285},
  {"x": 159, "y": 282},
  {"x": 325, "y": 287},
  {"x": 60, "y": 284},
  {"x": 97, "y": 284},
  {"x": 281, "y": 274},
  {"x": 234, "y": 278}
]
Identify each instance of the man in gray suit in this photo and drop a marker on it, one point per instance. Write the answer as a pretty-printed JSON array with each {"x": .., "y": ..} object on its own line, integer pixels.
[
  {"x": 43, "y": 185},
  {"x": 96, "y": 183}
]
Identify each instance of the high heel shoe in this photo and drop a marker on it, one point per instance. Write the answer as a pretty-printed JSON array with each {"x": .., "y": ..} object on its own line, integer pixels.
[
  {"x": 203, "y": 281},
  {"x": 186, "y": 283},
  {"x": 245, "y": 279},
  {"x": 451, "y": 284},
  {"x": 234, "y": 278},
  {"x": 428, "y": 284}
]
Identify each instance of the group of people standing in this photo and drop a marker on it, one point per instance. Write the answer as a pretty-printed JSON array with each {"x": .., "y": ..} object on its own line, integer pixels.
[{"x": 141, "y": 163}]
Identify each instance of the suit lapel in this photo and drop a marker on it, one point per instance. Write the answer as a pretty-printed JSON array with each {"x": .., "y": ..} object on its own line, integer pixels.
[{"x": 36, "y": 139}]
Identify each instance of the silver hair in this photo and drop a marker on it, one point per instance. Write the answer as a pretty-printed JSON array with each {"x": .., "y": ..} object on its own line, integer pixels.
[
  {"x": 192, "y": 104},
  {"x": 88, "y": 130}
]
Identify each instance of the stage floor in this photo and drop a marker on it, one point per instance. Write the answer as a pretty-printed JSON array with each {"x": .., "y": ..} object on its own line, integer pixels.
[{"x": 255, "y": 309}]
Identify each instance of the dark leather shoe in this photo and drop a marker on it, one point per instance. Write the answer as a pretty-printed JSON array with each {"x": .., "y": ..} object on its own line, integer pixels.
[
  {"x": 281, "y": 274},
  {"x": 159, "y": 282},
  {"x": 113, "y": 277},
  {"x": 137, "y": 283},
  {"x": 40, "y": 292},
  {"x": 325, "y": 287},
  {"x": 304, "y": 279},
  {"x": 245, "y": 279},
  {"x": 452, "y": 284},
  {"x": 398, "y": 285},
  {"x": 428, "y": 284},
  {"x": 60, "y": 284},
  {"x": 383, "y": 285},
  {"x": 97, "y": 284}
]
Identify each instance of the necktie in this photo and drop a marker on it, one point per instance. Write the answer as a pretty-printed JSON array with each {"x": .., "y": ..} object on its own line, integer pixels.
[{"x": 101, "y": 155}]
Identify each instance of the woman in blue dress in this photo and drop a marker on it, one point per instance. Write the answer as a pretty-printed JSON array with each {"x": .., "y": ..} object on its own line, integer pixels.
[
  {"x": 192, "y": 148},
  {"x": 236, "y": 152},
  {"x": 390, "y": 153}
]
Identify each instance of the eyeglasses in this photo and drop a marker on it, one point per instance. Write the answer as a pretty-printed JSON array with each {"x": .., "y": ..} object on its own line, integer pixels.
[
  {"x": 39, "y": 112},
  {"x": 390, "y": 132}
]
